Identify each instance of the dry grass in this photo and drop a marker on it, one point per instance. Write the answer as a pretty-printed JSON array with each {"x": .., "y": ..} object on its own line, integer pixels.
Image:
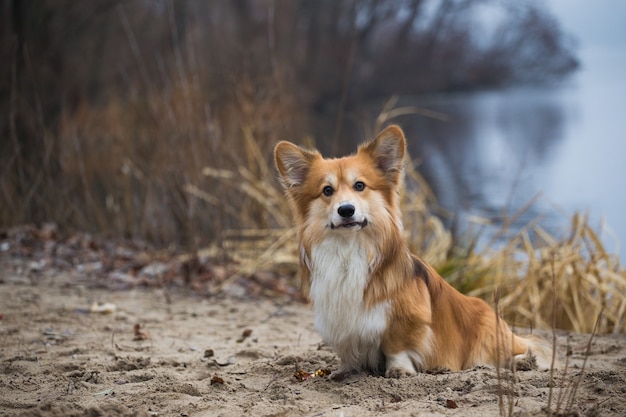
[
  {"x": 576, "y": 269},
  {"x": 545, "y": 282},
  {"x": 168, "y": 167}
]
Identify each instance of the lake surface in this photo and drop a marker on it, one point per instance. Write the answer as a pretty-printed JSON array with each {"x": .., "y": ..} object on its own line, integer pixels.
[{"x": 501, "y": 149}]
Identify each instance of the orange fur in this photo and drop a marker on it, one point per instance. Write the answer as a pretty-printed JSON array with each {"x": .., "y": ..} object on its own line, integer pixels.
[{"x": 404, "y": 317}]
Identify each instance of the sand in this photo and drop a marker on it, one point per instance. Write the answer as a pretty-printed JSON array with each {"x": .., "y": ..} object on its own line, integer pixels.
[{"x": 171, "y": 352}]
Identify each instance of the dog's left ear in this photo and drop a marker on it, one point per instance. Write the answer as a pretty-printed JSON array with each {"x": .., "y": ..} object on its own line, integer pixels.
[
  {"x": 293, "y": 163},
  {"x": 388, "y": 151}
]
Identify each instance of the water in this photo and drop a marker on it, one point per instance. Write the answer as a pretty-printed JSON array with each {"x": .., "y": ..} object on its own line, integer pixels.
[{"x": 565, "y": 146}]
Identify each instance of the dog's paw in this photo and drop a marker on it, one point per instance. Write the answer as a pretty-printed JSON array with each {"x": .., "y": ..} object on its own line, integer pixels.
[
  {"x": 403, "y": 364},
  {"x": 538, "y": 356},
  {"x": 399, "y": 372},
  {"x": 525, "y": 362}
]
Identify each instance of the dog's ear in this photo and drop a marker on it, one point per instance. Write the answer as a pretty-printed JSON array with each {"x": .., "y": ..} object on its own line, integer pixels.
[
  {"x": 292, "y": 163},
  {"x": 388, "y": 151}
]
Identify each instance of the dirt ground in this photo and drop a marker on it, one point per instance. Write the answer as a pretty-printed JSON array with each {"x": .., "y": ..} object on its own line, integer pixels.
[
  {"x": 173, "y": 351},
  {"x": 197, "y": 356}
]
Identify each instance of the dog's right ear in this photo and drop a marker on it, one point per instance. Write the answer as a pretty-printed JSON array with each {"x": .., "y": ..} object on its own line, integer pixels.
[
  {"x": 387, "y": 151},
  {"x": 293, "y": 163}
]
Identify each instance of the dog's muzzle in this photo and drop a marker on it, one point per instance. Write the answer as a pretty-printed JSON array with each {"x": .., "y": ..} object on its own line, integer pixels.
[{"x": 346, "y": 213}]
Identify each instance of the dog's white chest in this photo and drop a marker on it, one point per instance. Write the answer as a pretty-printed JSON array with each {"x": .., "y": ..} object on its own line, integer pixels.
[{"x": 339, "y": 276}]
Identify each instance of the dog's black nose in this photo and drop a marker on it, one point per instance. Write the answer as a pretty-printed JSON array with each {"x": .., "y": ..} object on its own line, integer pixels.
[{"x": 346, "y": 210}]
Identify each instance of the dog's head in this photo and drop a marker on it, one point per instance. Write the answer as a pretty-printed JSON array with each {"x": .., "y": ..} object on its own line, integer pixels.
[{"x": 344, "y": 194}]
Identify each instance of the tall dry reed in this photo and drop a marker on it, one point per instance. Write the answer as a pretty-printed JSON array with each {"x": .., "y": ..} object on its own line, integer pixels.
[{"x": 170, "y": 168}]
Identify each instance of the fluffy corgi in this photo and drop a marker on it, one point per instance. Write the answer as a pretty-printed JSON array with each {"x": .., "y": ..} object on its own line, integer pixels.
[{"x": 382, "y": 309}]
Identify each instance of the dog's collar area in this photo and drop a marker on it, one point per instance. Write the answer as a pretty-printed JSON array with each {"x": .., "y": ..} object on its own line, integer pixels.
[{"x": 348, "y": 224}]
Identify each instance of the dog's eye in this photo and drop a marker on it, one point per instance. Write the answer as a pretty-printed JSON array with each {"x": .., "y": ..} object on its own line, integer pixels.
[
  {"x": 328, "y": 191},
  {"x": 359, "y": 186}
]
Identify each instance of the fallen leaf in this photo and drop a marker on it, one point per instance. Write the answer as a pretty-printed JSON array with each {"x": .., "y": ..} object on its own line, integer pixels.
[
  {"x": 301, "y": 375},
  {"x": 246, "y": 334},
  {"x": 216, "y": 380},
  {"x": 322, "y": 372},
  {"x": 451, "y": 404},
  {"x": 139, "y": 333}
]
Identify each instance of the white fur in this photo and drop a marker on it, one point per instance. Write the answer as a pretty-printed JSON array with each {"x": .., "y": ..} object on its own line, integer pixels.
[{"x": 339, "y": 275}]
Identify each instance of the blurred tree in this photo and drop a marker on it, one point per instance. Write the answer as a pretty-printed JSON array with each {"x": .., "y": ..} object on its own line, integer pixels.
[
  {"x": 30, "y": 104},
  {"x": 36, "y": 86},
  {"x": 161, "y": 71}
]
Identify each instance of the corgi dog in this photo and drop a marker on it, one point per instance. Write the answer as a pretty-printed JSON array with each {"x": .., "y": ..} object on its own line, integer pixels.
[{"x": 381, "y": 308}]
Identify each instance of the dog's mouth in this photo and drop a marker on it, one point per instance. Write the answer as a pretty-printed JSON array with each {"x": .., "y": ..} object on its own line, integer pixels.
[{"x": 348, "y": 224}]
